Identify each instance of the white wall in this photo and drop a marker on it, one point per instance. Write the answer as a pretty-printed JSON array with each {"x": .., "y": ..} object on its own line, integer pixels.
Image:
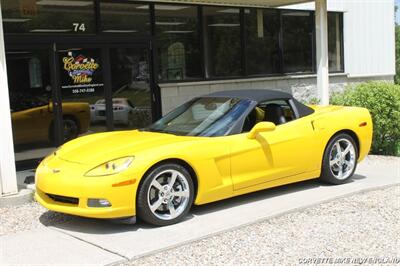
[
  {"x": 369, "y": 40},
  {"x": 8, "y": 178},
  {"x": 303, "y": 87}
]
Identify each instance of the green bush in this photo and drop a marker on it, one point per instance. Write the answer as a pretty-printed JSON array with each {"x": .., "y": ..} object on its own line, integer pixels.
[
  {"x": 382, "y": 99},
  {"x": 397, "y": 77}
]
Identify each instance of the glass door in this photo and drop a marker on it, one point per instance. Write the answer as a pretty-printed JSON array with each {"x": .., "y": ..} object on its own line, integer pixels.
[
  {"x": 82, "y": 91},
  {"x": 130, "y": 85},
  {"x": 31, "y": 102}
]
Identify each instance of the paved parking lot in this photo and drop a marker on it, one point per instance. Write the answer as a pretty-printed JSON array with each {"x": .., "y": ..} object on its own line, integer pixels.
[{"x": 89, "y": 241}]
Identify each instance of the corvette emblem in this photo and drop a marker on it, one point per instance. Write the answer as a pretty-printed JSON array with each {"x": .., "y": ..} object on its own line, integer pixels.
[{"x": 56, "y": 171}]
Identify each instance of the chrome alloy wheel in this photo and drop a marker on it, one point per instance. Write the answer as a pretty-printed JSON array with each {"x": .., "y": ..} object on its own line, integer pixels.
[
  {"x": 342, "y": 159},
  {"x": 168, "y": 194}
]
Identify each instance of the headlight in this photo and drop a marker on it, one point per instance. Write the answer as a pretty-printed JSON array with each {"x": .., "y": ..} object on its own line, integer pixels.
[{"x": 112, "y": 167}]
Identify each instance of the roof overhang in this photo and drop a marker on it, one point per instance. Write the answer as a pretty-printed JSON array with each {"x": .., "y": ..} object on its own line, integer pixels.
[{"x": 244, "y": 3}]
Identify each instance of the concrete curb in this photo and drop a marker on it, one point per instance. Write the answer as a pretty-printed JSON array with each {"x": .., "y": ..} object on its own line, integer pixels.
[{"x": 22, "y": 197}]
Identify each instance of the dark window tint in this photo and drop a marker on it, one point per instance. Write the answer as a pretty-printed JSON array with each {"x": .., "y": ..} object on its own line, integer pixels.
[
  {"x": 48, "y": 16},
  {"x": 130, "y": 87},
  {"x": 179, "y": 55},
  {"x": 335, "y": 41},
  {"x": 222, "y": 41},
  {"x": 297, "y": 41},
  {"x": 262, "y": 37},
  {"x": 127, "y": 18}
]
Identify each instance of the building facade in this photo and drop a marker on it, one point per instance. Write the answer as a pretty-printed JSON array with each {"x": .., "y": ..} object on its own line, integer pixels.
[{"x": 84, "y": 66}]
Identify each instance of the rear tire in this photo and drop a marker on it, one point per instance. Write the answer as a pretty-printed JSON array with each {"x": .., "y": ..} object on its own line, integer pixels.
[
  {"x": 166, "y": 195},
  {"x": 340, "y": 159}
]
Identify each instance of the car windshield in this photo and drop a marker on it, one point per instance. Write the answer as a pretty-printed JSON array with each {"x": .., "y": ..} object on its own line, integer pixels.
[{"x": 208, "y": 116}]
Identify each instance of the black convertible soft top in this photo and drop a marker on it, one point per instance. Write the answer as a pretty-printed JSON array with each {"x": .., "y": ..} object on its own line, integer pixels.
[
  {"x": 260, "y": 96},
  {"x": 255, "y": 95}
]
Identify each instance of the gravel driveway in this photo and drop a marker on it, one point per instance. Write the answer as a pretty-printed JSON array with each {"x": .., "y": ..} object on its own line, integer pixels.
[
  {"x": 27, "y": 217},
  {"x": 362, "y": 226}
]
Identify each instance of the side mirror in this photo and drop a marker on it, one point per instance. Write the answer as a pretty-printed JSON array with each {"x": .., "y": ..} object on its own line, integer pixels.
[{"x": 261, "y": 127}]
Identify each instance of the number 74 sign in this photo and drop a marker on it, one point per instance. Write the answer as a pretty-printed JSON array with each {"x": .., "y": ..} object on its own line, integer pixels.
[{"x": 79, "y": 27}]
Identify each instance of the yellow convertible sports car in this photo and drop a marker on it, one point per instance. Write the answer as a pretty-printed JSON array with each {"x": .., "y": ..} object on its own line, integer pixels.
[{"x": 213, "y": 147}]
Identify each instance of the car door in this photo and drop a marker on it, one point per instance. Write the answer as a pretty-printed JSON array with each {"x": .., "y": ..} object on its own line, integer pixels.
[
  {"x": 284, "y": 152},
  {"x": 32, "y": 125}
]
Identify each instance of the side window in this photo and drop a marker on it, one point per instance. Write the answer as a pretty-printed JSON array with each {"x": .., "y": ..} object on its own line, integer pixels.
[{"x": 277, "y": 111}]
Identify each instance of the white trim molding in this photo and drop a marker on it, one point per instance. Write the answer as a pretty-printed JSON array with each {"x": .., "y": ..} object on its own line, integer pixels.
[{"x": 321, "y": 30}]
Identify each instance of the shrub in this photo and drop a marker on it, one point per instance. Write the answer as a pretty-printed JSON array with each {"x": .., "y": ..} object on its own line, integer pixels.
[
  {"x": 313, "y": 101},
  {"x": 382, "y": 99}
]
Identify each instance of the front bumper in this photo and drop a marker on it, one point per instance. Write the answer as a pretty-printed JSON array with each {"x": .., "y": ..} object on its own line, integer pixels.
[{"x": 67, "y": 190}]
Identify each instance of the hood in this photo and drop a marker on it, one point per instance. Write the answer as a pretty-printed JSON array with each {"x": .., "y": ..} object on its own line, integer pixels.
[{"x": 101, "y": 147}]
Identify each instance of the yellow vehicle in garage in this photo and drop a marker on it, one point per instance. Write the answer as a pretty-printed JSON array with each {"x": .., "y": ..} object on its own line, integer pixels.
[
  {"x": 34, "y": 122},
  {"x": 211, "y": 148}
]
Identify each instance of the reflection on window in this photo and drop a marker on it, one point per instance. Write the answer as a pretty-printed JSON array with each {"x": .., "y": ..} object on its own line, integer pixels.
[
  {"x": 178, "y": 42},
  {"x": 125, "y": 18},
  {"x": 195, "y": 117},
  {"x": 262, "y": 41},
  {"x": 30, "y": 101},
  {"x": 130, "y": 88},
  {"x": 48, "y": 16},
  {"x": 297, "y": 41},
  {"x": 335, "y": 42},
  {"x": 222, "y": 41}
]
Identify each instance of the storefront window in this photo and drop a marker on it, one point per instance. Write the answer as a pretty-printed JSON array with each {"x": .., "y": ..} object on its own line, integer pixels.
[
  {"x": 335, "y": 42},
  {"x": 262, "y": 41},
  {"x": 179, "y": 55},
  {"x": 222, "y": 41},
  {"x": 127, "y": 18},
  {"x": 48, "y": 16},
  {"x": 130, "y": 86},
  {"x": 297, "y": 41}
]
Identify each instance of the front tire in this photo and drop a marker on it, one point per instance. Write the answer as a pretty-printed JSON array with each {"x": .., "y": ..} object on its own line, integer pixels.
[
  {"x": 166, "y": 195},
  {"x": 70, "y": 128},
  {"x": 340, "y": 159}
]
